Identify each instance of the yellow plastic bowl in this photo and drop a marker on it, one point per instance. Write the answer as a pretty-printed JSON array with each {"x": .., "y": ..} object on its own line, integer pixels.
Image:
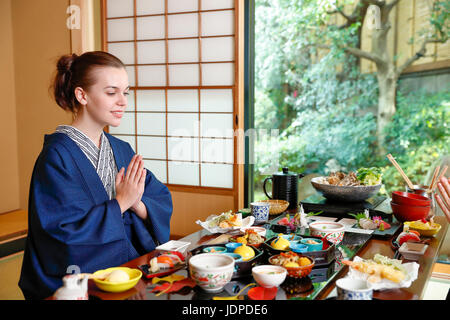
[
  {"x": 104, "y": 285},
  {"x": 423, "y": 231}
]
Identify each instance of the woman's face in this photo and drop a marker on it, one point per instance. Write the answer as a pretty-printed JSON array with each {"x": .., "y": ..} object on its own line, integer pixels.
[{"x": 106, "y": 100}]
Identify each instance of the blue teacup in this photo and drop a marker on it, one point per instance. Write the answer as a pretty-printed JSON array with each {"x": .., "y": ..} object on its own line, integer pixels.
[
  {"x": 260, "y": 210},
  {"x": 298, "y": 247},
  {"x": 214, "y": 250},
  {"x": 231, "y": 246},
  {"x": 353, "y": 289},
  {"x": 313, "y": 246}
]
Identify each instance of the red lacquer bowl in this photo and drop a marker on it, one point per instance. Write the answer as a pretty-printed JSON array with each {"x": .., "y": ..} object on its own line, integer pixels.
[
  {"x": 410, "y": 199},
  {"x": 296, "y": 272},
  {"x": 409, "y": 213}
]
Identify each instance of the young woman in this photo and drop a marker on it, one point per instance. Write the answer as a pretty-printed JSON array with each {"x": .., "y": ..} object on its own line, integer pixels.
[{"x": 86, "y": 211}]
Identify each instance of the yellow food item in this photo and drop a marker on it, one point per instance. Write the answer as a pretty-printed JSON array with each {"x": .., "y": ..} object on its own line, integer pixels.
[
  {"x": 291, "y": 265},
  {"x": 118, "y": 276},
  {"x": 280, "y": 243},
  {"x": 423, "y": 226},
  {"x": 304, "y": 261},
  {"x": 245, "y": 251},
  {"x": 241, "y": 240}
]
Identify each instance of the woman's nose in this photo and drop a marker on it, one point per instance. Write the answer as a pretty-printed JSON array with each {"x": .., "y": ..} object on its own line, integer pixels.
[{"x": 123, "y": 100}]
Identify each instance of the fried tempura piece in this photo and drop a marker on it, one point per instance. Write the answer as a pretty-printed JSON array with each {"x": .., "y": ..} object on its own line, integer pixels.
[{"x": 376, "y": 271}]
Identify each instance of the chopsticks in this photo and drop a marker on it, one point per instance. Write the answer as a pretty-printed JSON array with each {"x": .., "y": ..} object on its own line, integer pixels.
[
  {"x": 408, "y": 182},
  {"x": 436, "y": 179}
]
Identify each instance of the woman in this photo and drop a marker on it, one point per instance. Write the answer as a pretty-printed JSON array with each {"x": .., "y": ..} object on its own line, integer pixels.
[{"x": 84, "y": 213}]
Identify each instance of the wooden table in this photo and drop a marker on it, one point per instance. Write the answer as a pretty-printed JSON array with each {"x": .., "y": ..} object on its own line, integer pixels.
[{"x": 414, "y": 292}]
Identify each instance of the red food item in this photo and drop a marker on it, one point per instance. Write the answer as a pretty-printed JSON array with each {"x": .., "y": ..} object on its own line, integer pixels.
[
  {"x": 407, "y": 236},
  {"x": 385, "y": 225},
  {"x": 284, "y": 221},
  {"x": 260, "y": 293},
  {"x": 165, "y": 259},
  {"x": 179, "y": 254}
]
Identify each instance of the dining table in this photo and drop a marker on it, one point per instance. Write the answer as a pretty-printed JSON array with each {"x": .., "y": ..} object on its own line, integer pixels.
[{"x": 142, "y": 290}]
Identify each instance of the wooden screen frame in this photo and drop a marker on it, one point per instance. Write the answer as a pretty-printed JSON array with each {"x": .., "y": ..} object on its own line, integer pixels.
[{"x": 237, "y": 90}]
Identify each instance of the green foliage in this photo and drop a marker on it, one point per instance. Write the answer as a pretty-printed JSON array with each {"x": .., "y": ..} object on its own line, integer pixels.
[{"x": 418, "y": 136}]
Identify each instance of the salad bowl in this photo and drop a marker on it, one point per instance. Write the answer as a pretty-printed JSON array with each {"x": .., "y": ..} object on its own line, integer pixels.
[{"x": 344, "y": 193}]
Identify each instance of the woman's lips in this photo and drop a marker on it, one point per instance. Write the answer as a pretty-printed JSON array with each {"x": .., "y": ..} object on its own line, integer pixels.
[{"x": 117, "y": 114}]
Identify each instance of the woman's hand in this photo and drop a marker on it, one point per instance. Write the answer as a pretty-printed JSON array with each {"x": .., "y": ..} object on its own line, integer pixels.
[
  {"x": 130, "y": 186},
  {"x": 444, "y": 199}
]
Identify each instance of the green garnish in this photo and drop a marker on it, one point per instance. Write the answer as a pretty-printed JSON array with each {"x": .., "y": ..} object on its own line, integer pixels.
[{"x": 310, "y": 214}]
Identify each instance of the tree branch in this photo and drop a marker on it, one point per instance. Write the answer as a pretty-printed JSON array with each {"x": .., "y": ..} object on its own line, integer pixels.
[
  {"x": 419, "y": 54},
  {"x": 358, "y": 53}
]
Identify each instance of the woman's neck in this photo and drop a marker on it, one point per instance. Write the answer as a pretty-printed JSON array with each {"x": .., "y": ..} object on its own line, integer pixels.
[{"x": 92, "y": 130}]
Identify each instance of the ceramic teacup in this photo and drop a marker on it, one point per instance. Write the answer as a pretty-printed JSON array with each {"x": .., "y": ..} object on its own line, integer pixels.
[
  {"x": 353, "y": 289},
  {"x": 231, "y": 246},
  {"x": 260, "y": 210}
]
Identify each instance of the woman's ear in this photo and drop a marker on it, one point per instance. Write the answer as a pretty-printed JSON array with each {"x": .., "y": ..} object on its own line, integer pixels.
[{"x": 81, "y": 96}]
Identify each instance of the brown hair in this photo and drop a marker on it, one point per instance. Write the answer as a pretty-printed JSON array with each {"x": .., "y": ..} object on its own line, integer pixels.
[{"x": 76, "y": 71}]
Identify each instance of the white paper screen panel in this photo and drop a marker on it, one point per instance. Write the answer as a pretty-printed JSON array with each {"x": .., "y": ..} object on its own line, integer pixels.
[
  {"x": 151, "y": 52},
  {"x": 120, "y": 30},
  {"x": 218, "y": 49},
  {"x": 217, "y": 150},
  {"x": 217, "y": 4},
  {"x": 151, "y": 124},
  {"x": 158, "y": 168},
  {"x": 150, "y": 28},
  {"x": 183, "y": 50},
  {"x": 182, "y": 5},
  {"x": 183, "y": 25},
  {"x": 185, "y": 149},
  {"x": 216, "y": 125},
  {"x": 182, "y": 124},
  {"x": 144, "y": 7},
  {"x": 182, "y": 100},
  {"x": 152, "y": 147},
  {"x": 217, "y": 175},
  {"x": 119, "y": 8},
  {"x": 185, "y": 173},
  {"x": 216, "y": 100},
  {"x": 123, "y": 50},
  {"x": 217, "y": 23},
  {"x": 151, "y": 76},
  {"x": 151, "y": 100}
]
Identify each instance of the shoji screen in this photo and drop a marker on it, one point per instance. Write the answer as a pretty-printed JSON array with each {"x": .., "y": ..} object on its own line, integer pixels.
[{"x": 180, "y": 56}]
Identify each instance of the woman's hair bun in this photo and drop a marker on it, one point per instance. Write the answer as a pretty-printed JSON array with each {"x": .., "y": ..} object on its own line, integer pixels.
[{"x": 65, "y": 62}]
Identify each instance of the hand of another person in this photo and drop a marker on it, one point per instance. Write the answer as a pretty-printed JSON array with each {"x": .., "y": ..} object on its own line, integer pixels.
[
  {"x": 443, "y": 200},
  {"x": 130, "y": 186}
]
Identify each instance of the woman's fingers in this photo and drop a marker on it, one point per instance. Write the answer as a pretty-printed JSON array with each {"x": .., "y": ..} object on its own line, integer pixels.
[
  {"x": 133, "y": 167},
  {"x": 119, "y": 176},
  {"x": 143, "y": 175},
  {"x": 443, "y": 207}
]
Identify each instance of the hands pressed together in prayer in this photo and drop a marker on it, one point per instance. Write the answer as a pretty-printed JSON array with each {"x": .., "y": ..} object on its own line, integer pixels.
[
  {"x": 130, "y": 187},
  {"x": 443, "y": 199}
]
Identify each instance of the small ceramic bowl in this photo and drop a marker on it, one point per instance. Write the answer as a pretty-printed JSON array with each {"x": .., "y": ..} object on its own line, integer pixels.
[
  {"x": 214, "y": 249},
  {"x": 231, "y": 246},
  {"x": 295, "y": 272},
  {"x": 353, "y": 289},
  {"x": 331, "y": 231},
  {"x": 235, "y": 256},
  {"x": 211, "y": 271},
  {"x": 134, "y": 275},
  {"x": 292, "y": 237},
  {"x": 311, "y": 246},
  {"x": 269, "y": 276},
  {"x": 299, "y": 247},
  {"x": 412, "y": 250},
  {"x": 259, "y": 230}
]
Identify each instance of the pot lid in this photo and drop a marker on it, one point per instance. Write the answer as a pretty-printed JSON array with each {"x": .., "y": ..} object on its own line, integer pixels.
[{"x": 285, "y": 172}]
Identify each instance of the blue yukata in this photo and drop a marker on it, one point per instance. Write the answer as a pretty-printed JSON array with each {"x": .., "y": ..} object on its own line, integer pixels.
[{"x": 74, "y": 221}]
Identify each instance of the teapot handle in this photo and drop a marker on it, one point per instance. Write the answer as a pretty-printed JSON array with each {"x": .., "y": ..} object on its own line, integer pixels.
[
  {"x": 301, "y": 175},
  {"x": 264, "y": 186}
]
